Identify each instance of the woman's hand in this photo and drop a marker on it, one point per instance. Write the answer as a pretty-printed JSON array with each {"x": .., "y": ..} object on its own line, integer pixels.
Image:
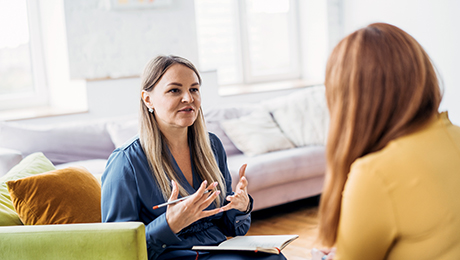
[
  {"x": 240, "y": 200},
  {"x": 184, "y": 213},
  {"x": 322, "y": 254}
]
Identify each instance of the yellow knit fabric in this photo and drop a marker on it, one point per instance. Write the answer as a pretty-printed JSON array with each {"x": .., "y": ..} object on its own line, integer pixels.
[{"x": 403, "y": 202}]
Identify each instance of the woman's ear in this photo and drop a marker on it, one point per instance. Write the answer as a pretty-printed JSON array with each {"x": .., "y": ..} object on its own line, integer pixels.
[{"x": 147, "y": 99}]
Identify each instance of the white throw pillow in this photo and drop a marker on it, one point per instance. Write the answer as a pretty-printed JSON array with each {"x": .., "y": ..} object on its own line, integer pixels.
[
  {"x": 256, "y": 133},
  {"x": 213, "y": 118},
  {"x": 120, "y": 132},
  {"x": 302, "y": 116}
]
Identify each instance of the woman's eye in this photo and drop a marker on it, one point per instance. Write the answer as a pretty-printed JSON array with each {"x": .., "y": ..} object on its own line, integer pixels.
[
  {"x": 194, "y": 90},
  {"x": 174, "y": 90}
]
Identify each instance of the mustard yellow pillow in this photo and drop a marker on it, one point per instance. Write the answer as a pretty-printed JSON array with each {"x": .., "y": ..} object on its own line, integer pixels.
[
  {"x": 69, "y": 195},
  {"x": 33, "y": 164}
]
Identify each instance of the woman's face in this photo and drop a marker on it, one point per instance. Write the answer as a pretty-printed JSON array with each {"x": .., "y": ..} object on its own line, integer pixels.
[{"x": 176, "y": 98}]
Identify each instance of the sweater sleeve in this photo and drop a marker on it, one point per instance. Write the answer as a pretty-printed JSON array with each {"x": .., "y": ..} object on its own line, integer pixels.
[
  {"x": 367, "y": 226},
  {"x": 120, "y": 202},
  {"x": 233, "y": 222}
]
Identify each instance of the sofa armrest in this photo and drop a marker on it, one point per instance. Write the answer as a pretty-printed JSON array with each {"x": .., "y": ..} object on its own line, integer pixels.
[{"x": 120, "y": 240}]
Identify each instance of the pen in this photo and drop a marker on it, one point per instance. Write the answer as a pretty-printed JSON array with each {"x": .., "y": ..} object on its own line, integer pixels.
[{"x": 175, "y": 201}]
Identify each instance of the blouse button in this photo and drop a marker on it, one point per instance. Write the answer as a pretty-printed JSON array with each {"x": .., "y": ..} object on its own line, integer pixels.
[
  {"x": 237, "y": 221},
  {"x": 163, "y": 246}
]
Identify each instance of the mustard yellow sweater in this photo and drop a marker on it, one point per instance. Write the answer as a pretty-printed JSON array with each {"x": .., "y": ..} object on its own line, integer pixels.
[{"x": 403, "y": 202}]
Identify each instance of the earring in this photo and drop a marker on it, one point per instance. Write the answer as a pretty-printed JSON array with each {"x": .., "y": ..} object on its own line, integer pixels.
[{"x": 150, "y": 110}]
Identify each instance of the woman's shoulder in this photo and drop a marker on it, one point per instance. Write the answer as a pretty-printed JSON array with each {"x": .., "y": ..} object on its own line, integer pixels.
[
  {"x": 213, "y": 137},
  {"x": 125, "y": 159},
  {"x": 132, "y": 143},
  {"x": 216, "y": 143},
  {"x": 391, "y": 156},
  {"x": 405, "y": 156},
  {"x": 131, "y": 147},
  {"x": 412, "y": 148}
]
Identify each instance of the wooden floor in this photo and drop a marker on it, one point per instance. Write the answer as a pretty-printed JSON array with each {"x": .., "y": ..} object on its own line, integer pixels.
[{"x": 298, "y": 218}]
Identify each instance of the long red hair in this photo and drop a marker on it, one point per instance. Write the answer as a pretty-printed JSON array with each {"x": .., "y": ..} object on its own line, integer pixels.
[{"x": 380, "y": 85}]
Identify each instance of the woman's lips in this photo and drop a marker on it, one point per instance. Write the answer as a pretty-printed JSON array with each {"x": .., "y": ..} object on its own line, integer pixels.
[{"x": 187, "y": 109}]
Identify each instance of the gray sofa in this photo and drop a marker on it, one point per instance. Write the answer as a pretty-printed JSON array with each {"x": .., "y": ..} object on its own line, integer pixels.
[{"x": 284, "y": 163}]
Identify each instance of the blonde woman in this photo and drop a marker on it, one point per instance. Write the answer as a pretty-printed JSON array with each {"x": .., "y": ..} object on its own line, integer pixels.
[
  {"x": 393, "y": 176},
  {"x": 174, "y": 156}
]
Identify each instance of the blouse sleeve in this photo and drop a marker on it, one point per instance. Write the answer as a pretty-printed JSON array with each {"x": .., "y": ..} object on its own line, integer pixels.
[
  {"x": 367, "y": 226},
  {"x": 233, "y": 222},
  {"x": 120, "y": 202}
]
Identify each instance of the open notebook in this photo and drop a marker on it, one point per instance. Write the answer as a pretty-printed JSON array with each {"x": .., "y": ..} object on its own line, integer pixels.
[{"x": 269, "y": 244}]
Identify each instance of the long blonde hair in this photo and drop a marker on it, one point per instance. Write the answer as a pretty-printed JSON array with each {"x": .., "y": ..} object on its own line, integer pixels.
[
  {"x": 154, "y": 143},
  {"x": 380, "y": 85}
]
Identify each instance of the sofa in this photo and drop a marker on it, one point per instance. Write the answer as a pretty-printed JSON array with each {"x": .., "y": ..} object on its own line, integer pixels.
[
  {"x": 282, "y": 140},
  {"x": 285, "y": 160}
]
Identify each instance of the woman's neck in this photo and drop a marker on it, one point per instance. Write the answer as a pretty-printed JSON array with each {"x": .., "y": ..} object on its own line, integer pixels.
[
  {"x": 176, "y": 138},
  {"x": 178, "y": 146}
]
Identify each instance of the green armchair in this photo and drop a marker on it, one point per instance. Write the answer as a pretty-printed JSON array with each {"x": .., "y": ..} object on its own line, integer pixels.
[
  {"x": 43, "y": 195},
  {"x": 111, "y": 241}
]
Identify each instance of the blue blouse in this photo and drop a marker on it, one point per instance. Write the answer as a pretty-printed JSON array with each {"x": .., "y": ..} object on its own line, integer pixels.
[{"x": 129, "y": 192}]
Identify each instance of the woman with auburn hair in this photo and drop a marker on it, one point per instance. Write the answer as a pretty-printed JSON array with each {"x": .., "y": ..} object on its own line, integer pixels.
[
  {"x": 175, "y": 156},
  {"x": 393, "y": 161}
]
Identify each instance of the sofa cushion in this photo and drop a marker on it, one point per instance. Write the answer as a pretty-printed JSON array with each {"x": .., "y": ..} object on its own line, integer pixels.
[
  {"x": 64, "y": 196},
  {"x": 8, "y": 159},
  {"x": 96, "y": 167},
  {"x": 59, "y": 143},
  {"x": 122, "y": 131},
  {"x": 215, "y": 116},
  {"x": 256, "y": 133},
  {"x": 302, "y": 115},
  {"x": 280, "y": 167},
  {"x": 33, "y": 164}
]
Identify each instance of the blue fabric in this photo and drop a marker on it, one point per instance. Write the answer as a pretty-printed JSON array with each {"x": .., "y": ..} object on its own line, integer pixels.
[{"x": 129, "y": 192}]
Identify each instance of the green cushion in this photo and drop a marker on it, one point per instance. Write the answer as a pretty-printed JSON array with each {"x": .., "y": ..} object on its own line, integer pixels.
[
  {"x": 32, "y": 164},
  {"x": 101, "y": 241}
]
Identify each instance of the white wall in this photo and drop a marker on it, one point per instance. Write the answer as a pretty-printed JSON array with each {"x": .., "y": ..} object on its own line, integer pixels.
[
  {"x": 314, "y": 38},
  {"x": 108, "y": 43},
  {"x": 434, "y": 24},
  {"x": 121, "y": 97}
]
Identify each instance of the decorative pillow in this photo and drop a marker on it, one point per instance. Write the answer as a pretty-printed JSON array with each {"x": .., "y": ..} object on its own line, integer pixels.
[
  {"x": 256, "y": 133},
  {"x": 60, "y": 143},
  {"x": 302, "y": 116},
  {"x": 120, "y": 132},
  {"x": 70, "y": 195},
  {"x": 32, "y": 164},
  {"x": 230, "y": 148},
  {"x": 213, "y": 118}
]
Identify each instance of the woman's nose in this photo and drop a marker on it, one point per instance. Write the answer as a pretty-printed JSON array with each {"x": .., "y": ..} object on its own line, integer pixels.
[{"x": 187, "y": 97}]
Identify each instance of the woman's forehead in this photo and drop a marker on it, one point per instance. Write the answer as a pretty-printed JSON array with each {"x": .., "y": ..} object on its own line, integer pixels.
[{"x": 179, "y": 72}]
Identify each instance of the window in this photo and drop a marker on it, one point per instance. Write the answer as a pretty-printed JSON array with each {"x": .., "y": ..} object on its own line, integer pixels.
[
  {"x": 248, "y": 41},
  {"x": 22, "y": 77}
]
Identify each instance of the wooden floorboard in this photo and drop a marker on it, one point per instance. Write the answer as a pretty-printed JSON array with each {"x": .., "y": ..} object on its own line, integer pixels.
[{"x": 300, "y": 218}]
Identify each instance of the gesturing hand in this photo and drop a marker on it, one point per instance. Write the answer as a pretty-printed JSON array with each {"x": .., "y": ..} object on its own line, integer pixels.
[
  {"x": 184, "y": 213},
  {"x": 240, "y": 200}
]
